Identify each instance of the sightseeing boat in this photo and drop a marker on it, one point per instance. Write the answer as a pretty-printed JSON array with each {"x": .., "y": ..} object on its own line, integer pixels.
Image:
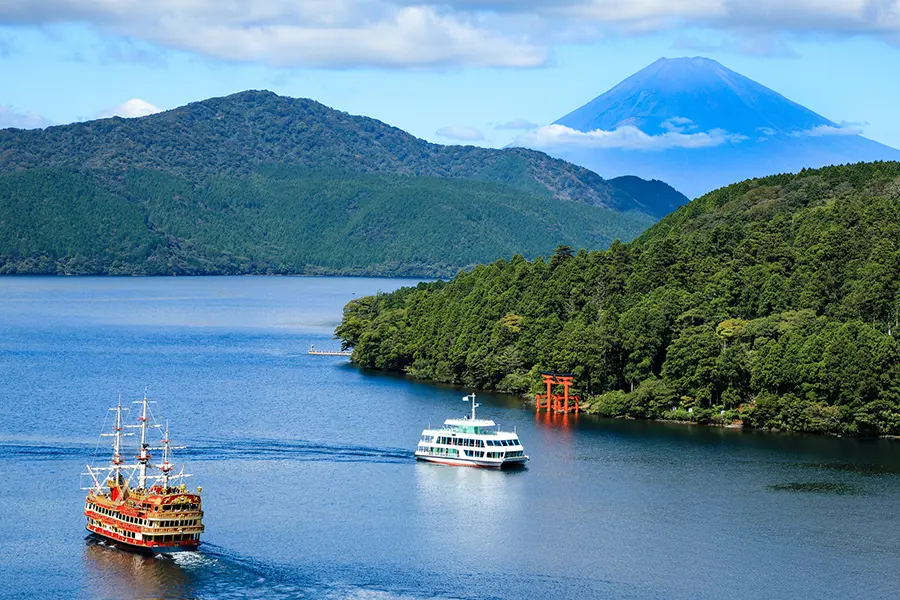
[
  {"x": 140, "y": 505},
  {"x": 471, "y": 442}
]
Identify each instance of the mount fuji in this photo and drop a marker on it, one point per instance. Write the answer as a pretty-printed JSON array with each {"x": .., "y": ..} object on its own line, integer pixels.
[{"x": 698, "y": 125}]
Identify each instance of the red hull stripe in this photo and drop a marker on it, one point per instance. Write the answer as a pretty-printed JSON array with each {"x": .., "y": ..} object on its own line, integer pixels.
[{"x": 140, "y": 543}]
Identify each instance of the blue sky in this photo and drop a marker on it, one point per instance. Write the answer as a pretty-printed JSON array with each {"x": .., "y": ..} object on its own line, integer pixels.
[{"x": 462, "y": 68}]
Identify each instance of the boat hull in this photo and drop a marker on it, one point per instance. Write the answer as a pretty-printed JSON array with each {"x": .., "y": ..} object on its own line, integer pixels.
[
  {"x": 153, "y": 550},
  {"x": 510, "y": 463}
]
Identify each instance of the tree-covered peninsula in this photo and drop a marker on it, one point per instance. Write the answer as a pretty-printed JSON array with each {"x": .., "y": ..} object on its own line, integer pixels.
[{"x": 774, "y": 302}]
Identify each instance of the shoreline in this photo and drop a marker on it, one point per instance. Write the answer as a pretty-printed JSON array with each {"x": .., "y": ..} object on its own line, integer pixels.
[
  {"x": 528, "y": 399},
  {"x": 415, "y": 278},
  {"x": 739, "y": 426}
]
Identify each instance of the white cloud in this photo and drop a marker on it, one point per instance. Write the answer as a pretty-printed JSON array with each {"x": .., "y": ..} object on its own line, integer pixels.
[
  {"x": 460, "y": 133},
  {"x": 130, "y": 108},
  {"x": 626, "y": 137},
  {"x": 678, "y": 125},
  {"x": 827, "y": 130},
  {"x": 318, "y": 33},
  {"x": 517, "y": 124},
  {"x": 429, "y": 33},
  {"x": 10, "y": 117}
]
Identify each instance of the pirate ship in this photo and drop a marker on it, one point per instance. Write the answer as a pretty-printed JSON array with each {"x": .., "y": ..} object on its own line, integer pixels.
[{"x": 142, "y": 505}]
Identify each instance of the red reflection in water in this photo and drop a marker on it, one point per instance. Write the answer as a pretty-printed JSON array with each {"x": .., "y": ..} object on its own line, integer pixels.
[{"x": 556, "y": 420}]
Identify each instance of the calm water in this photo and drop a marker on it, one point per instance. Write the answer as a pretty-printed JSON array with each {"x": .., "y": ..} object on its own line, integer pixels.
[{"x": 311, "y": 489}]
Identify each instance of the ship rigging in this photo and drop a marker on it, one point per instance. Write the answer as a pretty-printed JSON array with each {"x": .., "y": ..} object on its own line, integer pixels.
[{"x": 142, "y": 505}]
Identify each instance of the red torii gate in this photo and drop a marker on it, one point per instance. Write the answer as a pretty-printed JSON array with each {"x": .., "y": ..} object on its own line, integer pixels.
[{"x": 557, "y": 402}]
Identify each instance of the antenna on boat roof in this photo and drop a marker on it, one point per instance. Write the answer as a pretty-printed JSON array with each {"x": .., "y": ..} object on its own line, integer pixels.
[{"x": 471, "y": 398}]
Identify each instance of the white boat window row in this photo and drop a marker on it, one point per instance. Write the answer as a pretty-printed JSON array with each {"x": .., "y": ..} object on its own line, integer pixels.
[
  {"x": 462, "y": 441},
  {"x": 511, "y": 442},
  {"x": 452, "y": 452},
  {"x": 470, "y": 453},
  {"x": 458, "y": 441},
  {"x": 143, "y": 522},
  {"x": 187, "y": 523},
  {"x": 115, "y": 514},
  {"x": 116, "y": 530}
]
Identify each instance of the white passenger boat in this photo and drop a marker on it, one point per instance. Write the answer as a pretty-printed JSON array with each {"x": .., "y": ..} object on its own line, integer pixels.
[{"x": 471, "y": 442}]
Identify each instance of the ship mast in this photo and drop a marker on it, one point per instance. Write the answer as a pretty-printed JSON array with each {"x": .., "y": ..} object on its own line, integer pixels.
[
  {"x": 471, "y": 398},
  {"x": 117, "y": 464},
  {"x": 144, "y": 456},
  {"x": 115, "y": 468},
  {"x": 165, "y": 467},
  {"x": 117, "y": 445}
]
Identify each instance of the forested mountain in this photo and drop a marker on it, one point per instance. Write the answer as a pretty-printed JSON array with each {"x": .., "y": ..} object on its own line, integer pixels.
[
  {"x": 775, "y": 301},
  {"x": 698, "y": 125},
  {"x": 658, "y": 197},
  {"x": 259, "y": 183},
  {"x": 281, "y": 220}
]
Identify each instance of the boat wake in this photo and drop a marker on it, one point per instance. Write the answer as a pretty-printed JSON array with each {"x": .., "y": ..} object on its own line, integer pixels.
[
  {"x": 301, "y": 450},
  {"x": 218, "y": 572},
  {"x": 225, "y": 449}
]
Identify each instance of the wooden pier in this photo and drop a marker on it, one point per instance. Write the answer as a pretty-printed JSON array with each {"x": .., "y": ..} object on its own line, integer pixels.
[{"x": 312, "y": 350}]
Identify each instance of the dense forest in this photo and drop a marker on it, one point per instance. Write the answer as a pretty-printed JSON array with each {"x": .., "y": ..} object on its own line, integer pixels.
[
  {"x": 774, "y": 302},
  {"x": 65, "y": 221},
  {"x": 259, "y": 183}
]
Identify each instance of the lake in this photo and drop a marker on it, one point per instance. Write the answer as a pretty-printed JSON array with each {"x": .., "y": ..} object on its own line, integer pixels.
[{"x": 311, "y": 488}]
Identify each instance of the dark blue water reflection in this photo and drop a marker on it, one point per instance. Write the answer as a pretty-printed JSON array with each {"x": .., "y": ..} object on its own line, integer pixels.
[{"x": 311, "y": 489}]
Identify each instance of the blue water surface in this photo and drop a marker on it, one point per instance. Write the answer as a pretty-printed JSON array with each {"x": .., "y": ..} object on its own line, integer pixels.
[{"x": 311, "y": 489}]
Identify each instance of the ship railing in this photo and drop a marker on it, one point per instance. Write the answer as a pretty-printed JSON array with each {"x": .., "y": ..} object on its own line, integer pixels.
[
  {"x": 455, "y": 428},
  {"x": 168, "y": 530}
]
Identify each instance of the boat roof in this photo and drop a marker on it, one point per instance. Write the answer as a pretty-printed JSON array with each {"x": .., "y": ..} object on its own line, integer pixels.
[{"x": 470, "y": 422}]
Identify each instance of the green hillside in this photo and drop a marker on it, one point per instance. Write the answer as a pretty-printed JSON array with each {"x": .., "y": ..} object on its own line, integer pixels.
[
  {"x": 69, "y": 221},
  {"x": 774, "y": 302},
  {"x": 259, "y": 183}
]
